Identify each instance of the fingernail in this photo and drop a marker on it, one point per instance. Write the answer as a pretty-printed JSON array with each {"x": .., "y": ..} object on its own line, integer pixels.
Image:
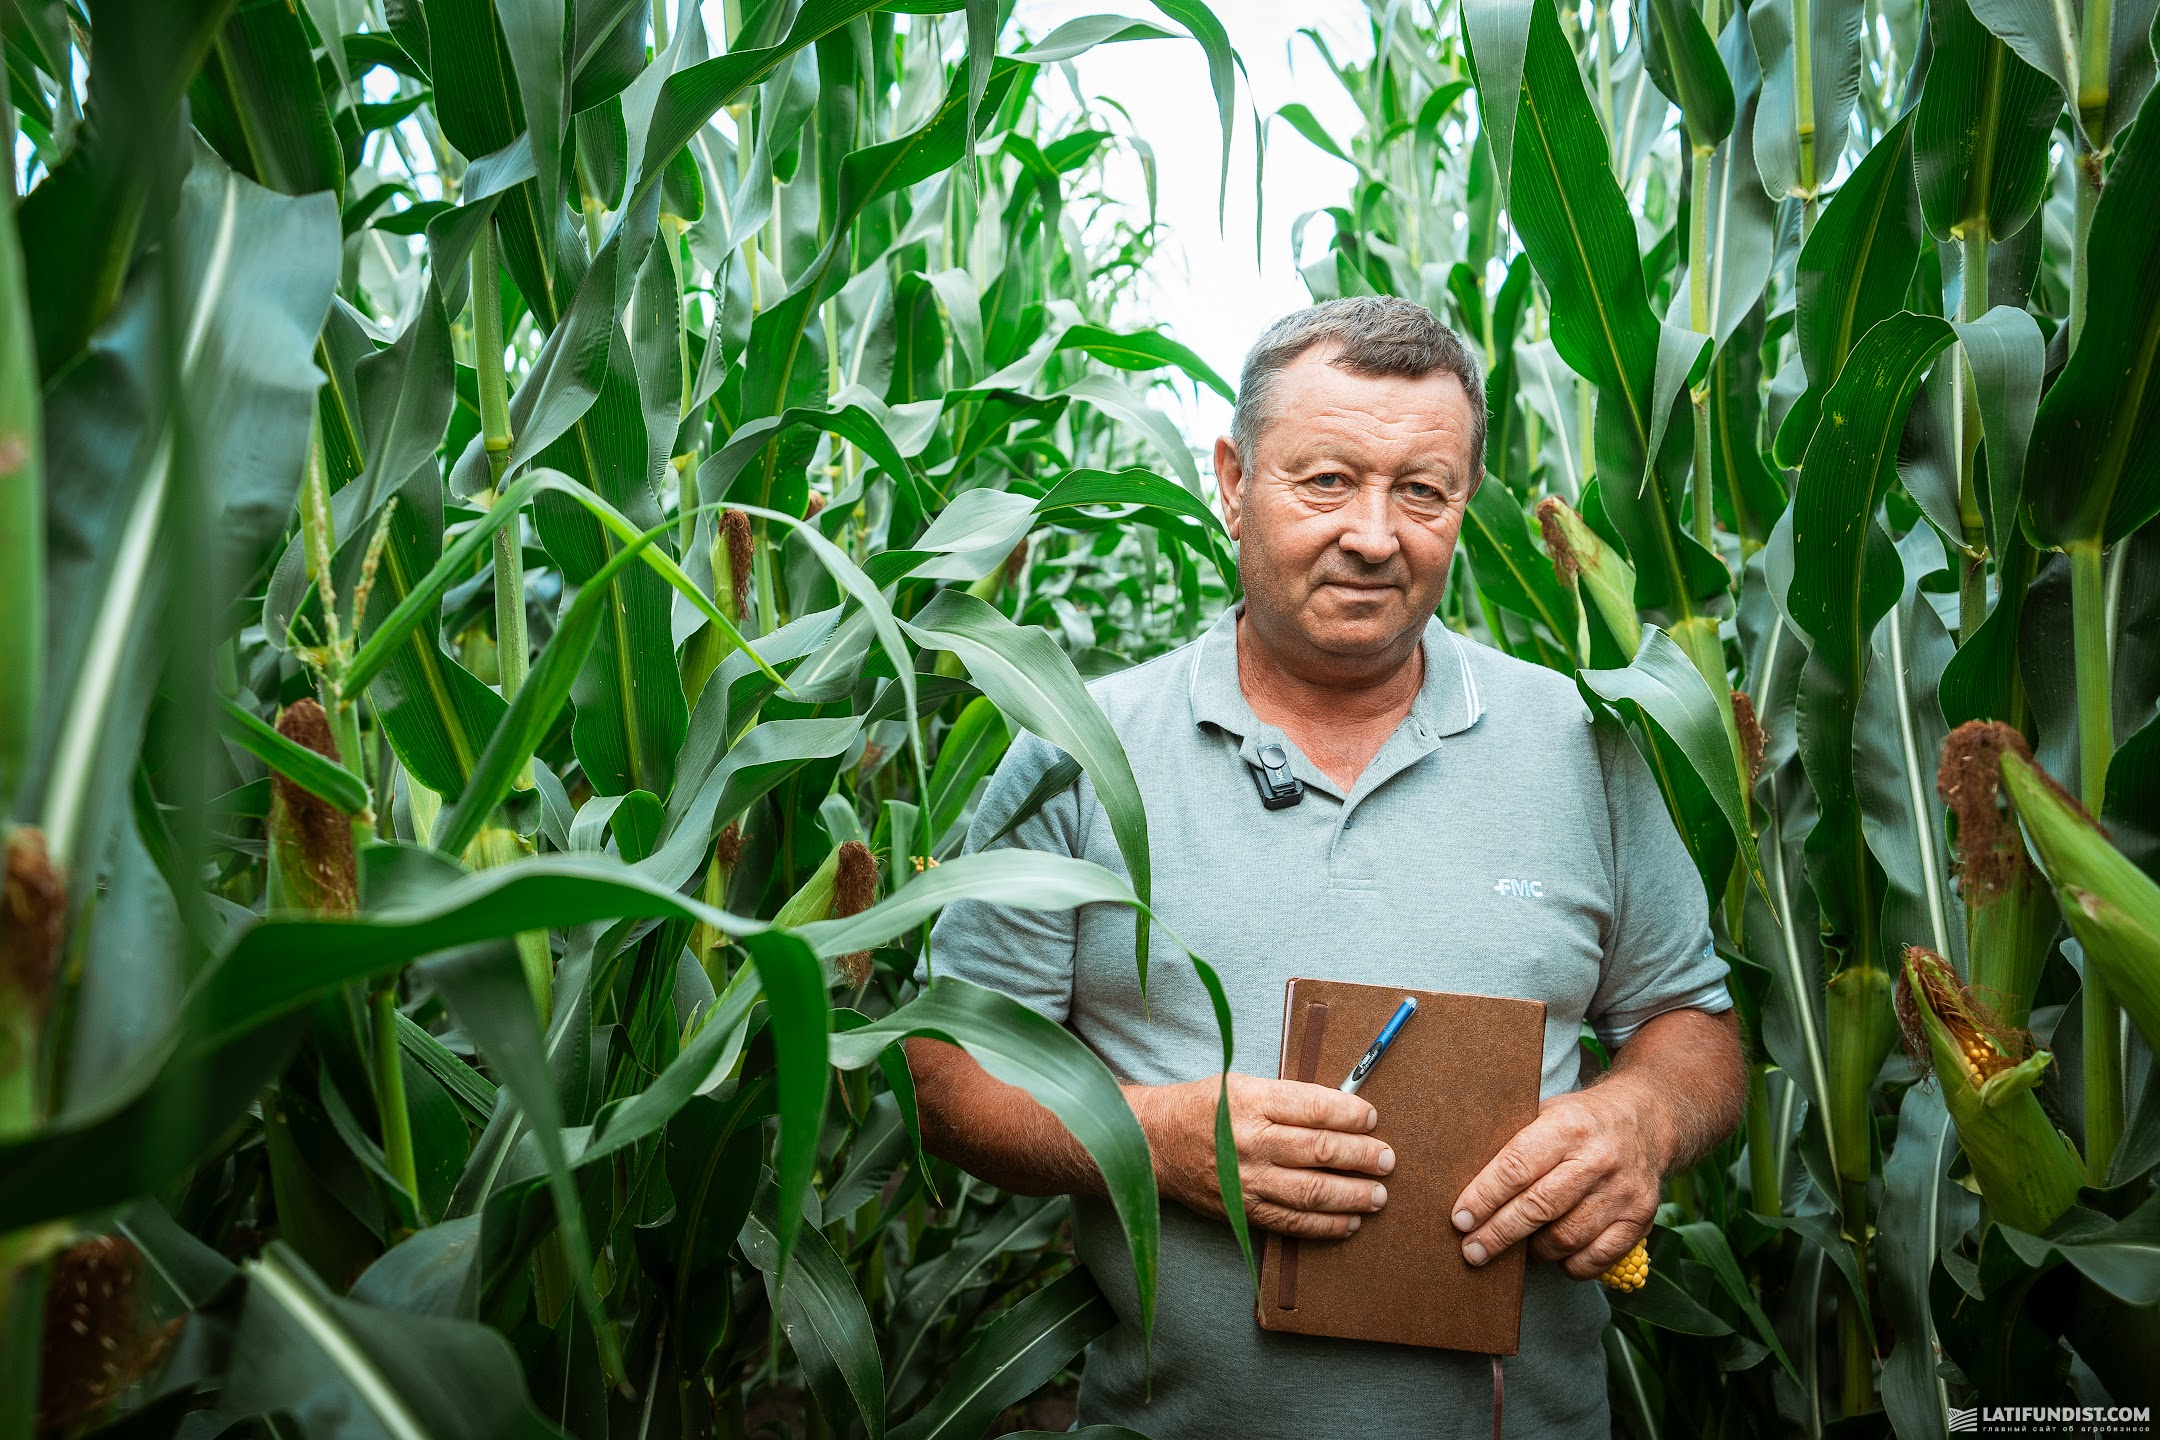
[
  {"x": 1372, "y": 1117},
  {"x": 1354, "y": 1223},
  {"x": 1474, "y": 1253},
  {"x": 1387, "y": 1159},
  {"x": 1379, "y": 1196},
  {"x": 1464, "y": 1220}
]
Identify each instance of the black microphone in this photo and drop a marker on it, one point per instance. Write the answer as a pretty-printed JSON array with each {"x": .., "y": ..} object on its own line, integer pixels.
[{"x": 1279, "y": 789}]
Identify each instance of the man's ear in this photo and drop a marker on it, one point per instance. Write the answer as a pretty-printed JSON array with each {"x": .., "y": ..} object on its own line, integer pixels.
[{"x": 1230, "y": 483}]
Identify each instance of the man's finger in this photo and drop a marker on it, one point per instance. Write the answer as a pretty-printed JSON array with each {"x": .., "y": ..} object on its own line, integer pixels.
[
  {"x": 1591, "y": 1217},
  {"x": 1314, "y": 1190},
  {"x": 1525, "y": 1160},
  {"x": 1305, "y": 1224},
  {"x": 1317, "y": 1107},
  {"x": 1545, "y": 1201},
  {"x": 1296, "y": 1147},
  {"x": 1597, "y": 1257}
]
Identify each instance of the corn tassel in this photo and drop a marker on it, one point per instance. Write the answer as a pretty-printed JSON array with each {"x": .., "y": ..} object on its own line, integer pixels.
[{"x": 2026, "y": 1168}]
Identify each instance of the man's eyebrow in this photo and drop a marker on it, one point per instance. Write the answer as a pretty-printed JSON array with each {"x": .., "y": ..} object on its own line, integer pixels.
[{"x": 1315, "y": 453}]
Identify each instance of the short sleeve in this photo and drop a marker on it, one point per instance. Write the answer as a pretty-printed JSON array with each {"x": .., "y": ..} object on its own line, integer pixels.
[
  {"x": 1026, "y": 954},
  {"x": 1658, "y": 955}
]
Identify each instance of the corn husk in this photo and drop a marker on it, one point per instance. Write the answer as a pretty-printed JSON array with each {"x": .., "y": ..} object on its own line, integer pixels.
[
  {"x": 2025, "y": 1167},
  {"x": 2009, "y": 913},
  {"x": 1582, "y": 559},
  {"x": 844, "y": 884},
  {"x": 313, "y": 868},
  {"x": 1862, "y": 1028},
  {"x": 2112, "y": 906}
]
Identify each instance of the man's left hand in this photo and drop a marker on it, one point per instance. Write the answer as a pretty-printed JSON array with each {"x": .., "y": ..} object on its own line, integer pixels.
[{"x": 1582, "y": 1179}]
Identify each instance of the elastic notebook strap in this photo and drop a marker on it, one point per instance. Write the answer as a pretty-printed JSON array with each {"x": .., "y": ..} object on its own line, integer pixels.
[
  {"x": 1308, "y": 1067},
  {"x": 1496, "y": 1390}
]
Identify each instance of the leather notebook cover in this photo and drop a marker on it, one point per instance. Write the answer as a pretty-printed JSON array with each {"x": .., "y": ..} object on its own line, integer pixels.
[{"x": 1460, "y": 1079}]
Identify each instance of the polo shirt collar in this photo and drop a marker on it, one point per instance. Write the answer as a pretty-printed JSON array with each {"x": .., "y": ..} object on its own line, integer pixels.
[{"x": 1447, "y": 701}]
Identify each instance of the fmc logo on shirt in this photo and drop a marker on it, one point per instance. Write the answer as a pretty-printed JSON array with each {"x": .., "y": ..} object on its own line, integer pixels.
[{"x": 1528, "y": 889}]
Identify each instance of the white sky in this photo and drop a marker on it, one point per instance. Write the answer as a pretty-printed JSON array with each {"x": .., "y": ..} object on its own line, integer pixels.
[{"x": 1209, "y": 290}]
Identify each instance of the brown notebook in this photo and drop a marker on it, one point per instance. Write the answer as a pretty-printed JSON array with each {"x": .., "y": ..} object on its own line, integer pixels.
[{"x": 1460, "y": 1079}]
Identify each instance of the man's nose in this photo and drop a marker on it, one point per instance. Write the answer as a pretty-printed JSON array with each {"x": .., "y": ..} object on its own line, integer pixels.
[{"x": 1369, "y": 529}]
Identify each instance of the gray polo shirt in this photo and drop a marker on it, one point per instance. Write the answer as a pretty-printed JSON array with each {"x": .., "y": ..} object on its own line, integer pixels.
[{"x": 1500, "y": 843}]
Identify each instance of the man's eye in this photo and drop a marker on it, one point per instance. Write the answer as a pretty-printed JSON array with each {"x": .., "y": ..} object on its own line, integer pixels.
[{"x": 1330, "y": 480}]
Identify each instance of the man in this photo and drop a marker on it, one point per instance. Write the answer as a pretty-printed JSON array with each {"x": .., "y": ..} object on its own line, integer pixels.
[{"x": 1465, "y": 827}]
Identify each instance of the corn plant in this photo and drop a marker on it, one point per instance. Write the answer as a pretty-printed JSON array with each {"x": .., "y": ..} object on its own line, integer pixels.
[
  {"x": 525, "y": 528},
  {"x": 1812, "y": 435}
]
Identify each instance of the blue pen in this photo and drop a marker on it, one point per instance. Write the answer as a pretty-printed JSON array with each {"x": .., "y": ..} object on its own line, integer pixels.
[{"x": 1373, "y": 1052}]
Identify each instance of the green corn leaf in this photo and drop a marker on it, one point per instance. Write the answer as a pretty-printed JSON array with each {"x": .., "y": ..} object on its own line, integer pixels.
[
  {"x": 1682, "y": 57},
  {"x": 1033, "y": 682},
  {"x": 22, "y": 522},
  {"x": 1013, "y": 1357},
  {"x": 2097, "y": 421},
  {"x": 485, "y": 989},
  {"x": 824, "y": 1319},
  {"x": 1852, "y": 273},
  {"x": 1077, "y": 37},
  {"x": 1845, "y": 579},
  {"x": 529, "y": 716},
  {"x": 1922, "y": 1209},
  {"x": 1511, "y": 570},
  {"x": 794, "y": 986},
  {"x": 1020, "y": 1047},
  {"x": 260, "y": 102},
  {"x": 1143, "y": 350},
  {"x": 1980, "y": 140},
  {"x": 1671, "y": 693},
  {"x": 2036, "y": 30},
  {"x": 348, "y": 1371},
  {"x": 1830, "y": 42}
]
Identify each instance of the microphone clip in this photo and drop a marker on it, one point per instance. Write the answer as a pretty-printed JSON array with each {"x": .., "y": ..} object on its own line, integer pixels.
[{"x": 1279, "y": 789}]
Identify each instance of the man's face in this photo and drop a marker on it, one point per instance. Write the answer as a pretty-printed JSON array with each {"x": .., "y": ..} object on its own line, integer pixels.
[{"x": 1348, "y": 516}]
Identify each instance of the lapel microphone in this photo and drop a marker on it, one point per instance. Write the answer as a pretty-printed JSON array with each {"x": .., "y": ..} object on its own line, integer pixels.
[{"x": 1279, "y": 789}]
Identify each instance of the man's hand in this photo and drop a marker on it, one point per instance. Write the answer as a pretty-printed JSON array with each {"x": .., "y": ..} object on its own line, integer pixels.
[
  {"x": 1289, "y": 1136},
  {"x": 1583, "y": 1177}
]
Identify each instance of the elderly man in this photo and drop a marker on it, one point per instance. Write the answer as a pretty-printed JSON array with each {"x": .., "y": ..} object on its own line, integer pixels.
[{"x": 1436, "y": 771}]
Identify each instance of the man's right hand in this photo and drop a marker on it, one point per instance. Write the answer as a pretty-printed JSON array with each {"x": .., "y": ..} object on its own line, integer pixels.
[{"x": 1289, "y": 1136}]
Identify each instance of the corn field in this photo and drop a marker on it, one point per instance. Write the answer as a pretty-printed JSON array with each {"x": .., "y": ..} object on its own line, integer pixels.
[{"x": 525, "y": 526}]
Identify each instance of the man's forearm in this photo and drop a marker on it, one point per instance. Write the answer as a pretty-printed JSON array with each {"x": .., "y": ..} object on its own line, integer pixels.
[
  {"x": 995, "y": 1131},
  {"x": 1686, "y": 1071}
]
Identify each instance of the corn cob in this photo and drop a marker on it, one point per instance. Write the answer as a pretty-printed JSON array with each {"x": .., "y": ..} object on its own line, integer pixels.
[
  {"x": 845, "y": 884},
  {"x": 2009, "y": 914},
  {"x": 1862, "y": 1029},
  {"x": 2112, "y": 906},
  {"x": 1631, "y": 1271},
  {"x": 1585, "y": 562},
  {"x": 2026, "y": 1168}
]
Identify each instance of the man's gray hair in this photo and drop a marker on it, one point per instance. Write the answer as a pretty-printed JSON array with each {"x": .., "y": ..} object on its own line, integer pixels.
[{"x": 1370, "y": 335}]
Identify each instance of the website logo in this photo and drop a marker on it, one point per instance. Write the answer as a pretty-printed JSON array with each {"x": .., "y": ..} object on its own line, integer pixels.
[
  {"x": 2051, "y": 1420},
  {"x": 1521, "y": 889}
]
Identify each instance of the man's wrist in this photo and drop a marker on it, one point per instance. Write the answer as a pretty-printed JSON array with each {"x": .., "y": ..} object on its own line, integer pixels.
[{"x": 1637, "y": 1107}]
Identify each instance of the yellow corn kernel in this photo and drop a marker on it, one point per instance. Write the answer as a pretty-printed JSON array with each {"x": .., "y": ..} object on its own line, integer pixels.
[{"x": 1630, "y": 1272}]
